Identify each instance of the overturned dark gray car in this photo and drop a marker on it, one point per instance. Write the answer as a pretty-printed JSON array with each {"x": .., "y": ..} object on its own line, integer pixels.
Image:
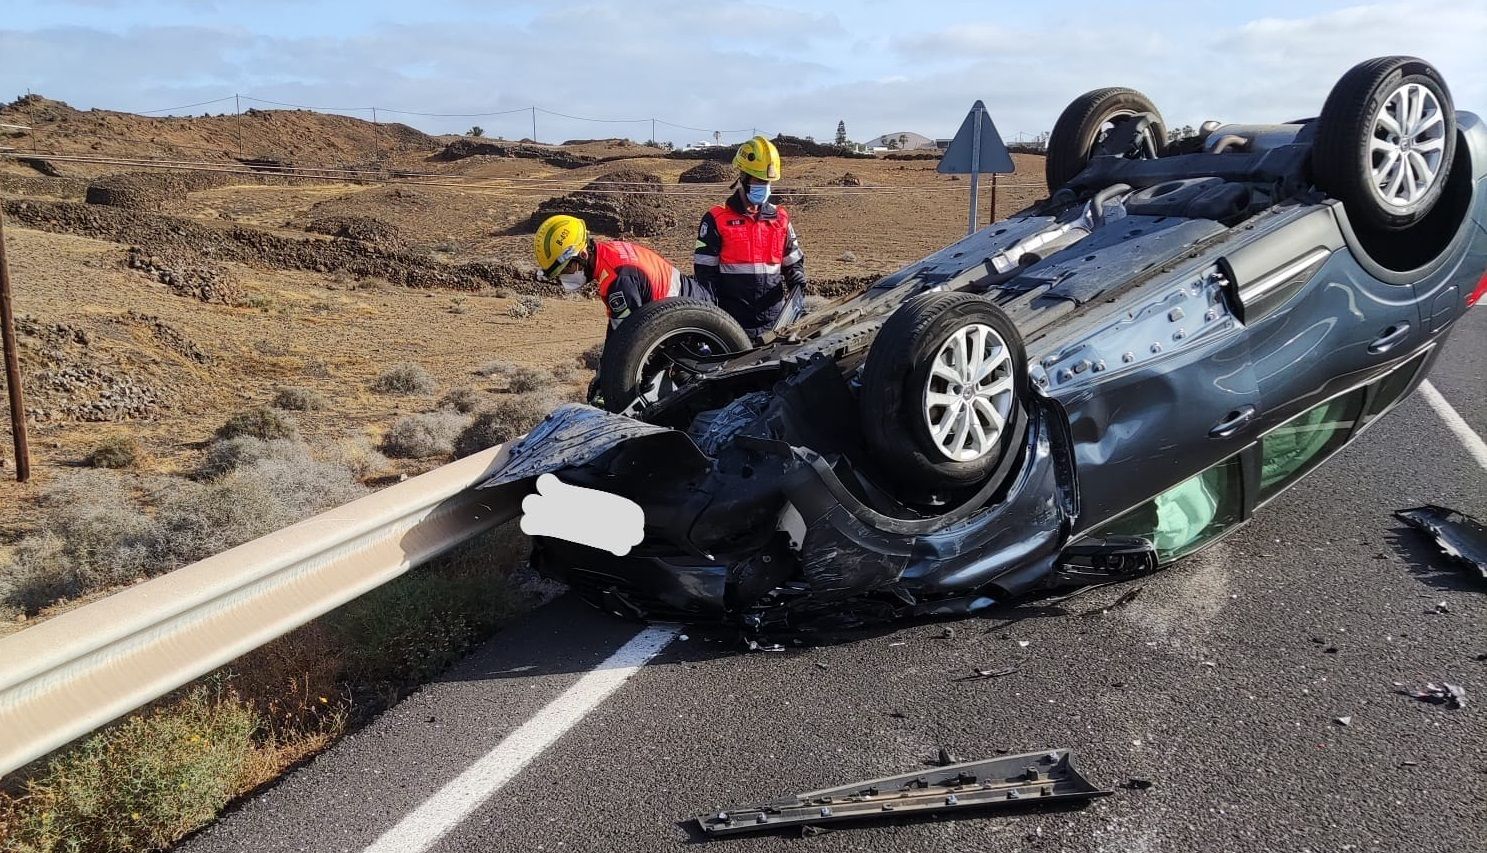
[{"x": 1096, "y": 386}]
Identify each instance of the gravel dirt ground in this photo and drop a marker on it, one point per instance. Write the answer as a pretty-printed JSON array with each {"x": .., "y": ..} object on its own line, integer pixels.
[{"x": 1222, "y": 684}]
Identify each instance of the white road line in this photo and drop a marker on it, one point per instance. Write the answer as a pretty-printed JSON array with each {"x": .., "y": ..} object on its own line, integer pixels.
[
  {"x": 450, "y": 805},
  {"x": 1457, "y": 424}
]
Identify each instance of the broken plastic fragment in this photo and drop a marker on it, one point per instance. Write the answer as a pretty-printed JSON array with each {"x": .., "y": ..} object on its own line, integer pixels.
[
  {"x": 988, "y": 673},
  {"x": 1457, "y": 534},
  {"x": 1444, "y": 693}
]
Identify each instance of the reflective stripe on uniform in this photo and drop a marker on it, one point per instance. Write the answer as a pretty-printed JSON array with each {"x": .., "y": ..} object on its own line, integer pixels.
[
  {"x": 794, "y": 257},
  {"x": 756, "y": 269},
  {"x": 674, "y": 286},
  {"x": 705, "y": 260}
]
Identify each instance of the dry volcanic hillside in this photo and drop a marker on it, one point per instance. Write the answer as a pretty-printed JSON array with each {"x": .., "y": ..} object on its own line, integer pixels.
[{"x": 157, "y": 303}]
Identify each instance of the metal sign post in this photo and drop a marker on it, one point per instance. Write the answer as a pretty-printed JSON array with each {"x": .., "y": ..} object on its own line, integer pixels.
[
  {"x": 13, "y": 367},
  {"x": 976, "y": 112},
  {"x": 977, "y": 148}
]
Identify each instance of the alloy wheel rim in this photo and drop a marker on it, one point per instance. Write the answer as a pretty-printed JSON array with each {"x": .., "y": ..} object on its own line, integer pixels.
[
  {"x": 968, "y": 397},
  {"x": 1407, "y": 145},
  {"x": 688, "y": 342}
]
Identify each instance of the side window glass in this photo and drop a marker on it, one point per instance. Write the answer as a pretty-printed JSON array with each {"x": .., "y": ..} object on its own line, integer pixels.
[
  {"x": 1292, "y": 449},
  {"x": 1187, "y": 516}
]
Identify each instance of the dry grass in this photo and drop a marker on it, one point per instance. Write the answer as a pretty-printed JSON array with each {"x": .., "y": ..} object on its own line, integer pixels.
[
  {"x": 360, "y": 457},
  {"x": 299, "y": 399},
  {"x": 424, "y": 435},
  {"x": 526, "y": 306},
  {"x": 462, "y": 400},
  {"x": 494, "y": 369},
  {"x": 260, "y": 422},
  {"x": 591, "y": 357},
  {"x": 228, "y": 454},
  {"x": 405, "y": 378},
  {"x": 524, "y": 380},
  {"x": 506, "y": 419},
  {"x": 96, "y": 534},
  {"x": 120, "y": 451}
]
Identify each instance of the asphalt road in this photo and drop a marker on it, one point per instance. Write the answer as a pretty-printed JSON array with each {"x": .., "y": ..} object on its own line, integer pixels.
[{"x": 1222, "y": 683}]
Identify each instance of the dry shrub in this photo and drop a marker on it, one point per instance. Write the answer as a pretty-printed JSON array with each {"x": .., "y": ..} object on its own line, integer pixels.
[
  {"x": 229, "y": 454},
  {"x": 564, "y": 373},
  {"x": 493, "y": 369},
  {"x": 198, "y": 520},
  {"x": 526, "y": 379},
  {"x": 360, "y": 457},
  {"x": 405, "y": 378},
  {"x": 91, "y": 535},
  {"x": 260, "y": 422},
  {"x": 506, "y": 419},
  {"x": 299, "y": 399},
  {"x": 144, "y": 783},
  {"x": 462, "y": 400},
  {"x": 119, "y": 451},
  {"x": 504, "y": 293},
  {"x": 526, "y": 306},
  {"x": 591, "y": 357},
  {"x": 413, "y": 628},
  {"x": 157, "y": 776},
  {"x": 424, "y": 435}
]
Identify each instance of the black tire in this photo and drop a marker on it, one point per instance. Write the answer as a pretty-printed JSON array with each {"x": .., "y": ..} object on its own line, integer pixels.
[
  {"x": 1342, "y": 159},
  {"x": 1077, "y": 130},
  {"x": 649, "y": 329},
  {"x": 897, "y": 374}
]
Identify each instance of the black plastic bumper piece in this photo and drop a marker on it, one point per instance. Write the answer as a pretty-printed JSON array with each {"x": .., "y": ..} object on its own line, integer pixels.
[{"x": 1457, "y": 534}]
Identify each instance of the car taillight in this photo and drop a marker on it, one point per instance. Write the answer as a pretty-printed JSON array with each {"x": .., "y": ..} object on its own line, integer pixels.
[{"x": 1477, "y": 294}]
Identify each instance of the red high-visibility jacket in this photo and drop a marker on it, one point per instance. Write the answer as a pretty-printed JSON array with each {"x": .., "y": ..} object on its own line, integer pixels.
[
  {"x": 749, "y": 260},
  {"x": 629, "y": 275}
]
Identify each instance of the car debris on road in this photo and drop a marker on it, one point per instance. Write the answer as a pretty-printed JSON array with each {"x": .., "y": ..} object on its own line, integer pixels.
[
  {"x": 1044, "y": 776},
  {"x": 1457, "y": 534},
  {"x": 1442, "y": 693}
]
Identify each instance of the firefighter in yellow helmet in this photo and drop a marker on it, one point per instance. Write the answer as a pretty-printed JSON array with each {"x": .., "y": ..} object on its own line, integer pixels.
[
  {"x": 747, "y": 254},
  {"x": 628, "y": 275}
]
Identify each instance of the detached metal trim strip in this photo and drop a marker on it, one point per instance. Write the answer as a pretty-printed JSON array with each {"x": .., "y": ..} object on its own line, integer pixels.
[{"x": 65, "y": 677}]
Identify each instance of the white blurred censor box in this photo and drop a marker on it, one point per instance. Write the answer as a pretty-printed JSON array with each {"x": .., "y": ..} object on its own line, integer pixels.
[{"x": 584, "y": 516}]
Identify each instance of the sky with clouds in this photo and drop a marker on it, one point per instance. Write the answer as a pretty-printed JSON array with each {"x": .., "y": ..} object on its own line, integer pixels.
[{"x": 881, "y": 66}]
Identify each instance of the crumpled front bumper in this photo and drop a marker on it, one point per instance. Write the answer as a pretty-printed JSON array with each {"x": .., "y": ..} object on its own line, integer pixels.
[{"x": 767, "y": 531}]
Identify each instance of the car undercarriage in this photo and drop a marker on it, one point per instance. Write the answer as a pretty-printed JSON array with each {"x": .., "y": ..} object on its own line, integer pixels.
[{"x": 1093, "y": 387}]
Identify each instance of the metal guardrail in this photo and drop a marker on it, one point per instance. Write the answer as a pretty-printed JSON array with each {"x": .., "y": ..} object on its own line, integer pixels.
[{"x": 65, "y": 677}]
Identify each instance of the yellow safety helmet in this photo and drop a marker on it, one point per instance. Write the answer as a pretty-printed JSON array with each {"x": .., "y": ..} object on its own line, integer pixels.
[
  {"x": 759, "y": 159},
  {"x": 559, "y": 240}
]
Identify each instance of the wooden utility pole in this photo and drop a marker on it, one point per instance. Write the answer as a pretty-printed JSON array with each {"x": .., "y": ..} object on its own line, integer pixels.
[{"x": 13, "y": 367}]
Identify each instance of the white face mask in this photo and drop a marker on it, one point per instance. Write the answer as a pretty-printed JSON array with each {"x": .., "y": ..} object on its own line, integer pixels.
[{"x": 573, "y": 281}]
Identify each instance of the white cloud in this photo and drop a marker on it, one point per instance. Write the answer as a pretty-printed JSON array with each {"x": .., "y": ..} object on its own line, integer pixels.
[{"x": 757, "y": 64}]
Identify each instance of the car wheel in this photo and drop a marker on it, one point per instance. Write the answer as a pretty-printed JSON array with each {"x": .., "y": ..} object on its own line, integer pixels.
[
  {"x": 941, "y": 391},
  {"x": 1385, "y": 140},
  {"x": 644, "y": 346},
  {"x": 1085, "y": 124}
]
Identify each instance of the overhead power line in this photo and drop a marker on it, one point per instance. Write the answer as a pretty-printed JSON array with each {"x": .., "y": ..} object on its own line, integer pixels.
[{"x": 184, "y": 106}]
